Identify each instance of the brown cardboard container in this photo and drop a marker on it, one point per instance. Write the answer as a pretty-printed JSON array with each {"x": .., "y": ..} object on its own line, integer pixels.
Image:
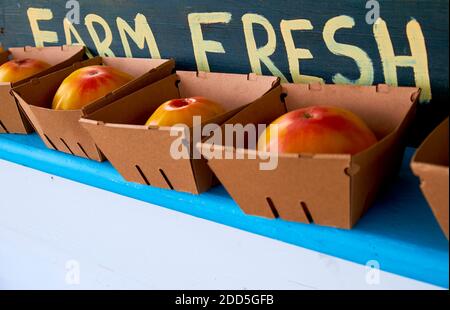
[
  {"x": 60, "y": 130},
  {"x": 325, "y": 189},
  {"x": 142, "y": 154},
  {"x": 12, "y": 119},
  {"x": 430, "y": 164}
]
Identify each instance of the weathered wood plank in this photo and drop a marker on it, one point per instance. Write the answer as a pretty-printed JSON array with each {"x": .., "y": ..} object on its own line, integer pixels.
[{"x": 175, "y": 37}]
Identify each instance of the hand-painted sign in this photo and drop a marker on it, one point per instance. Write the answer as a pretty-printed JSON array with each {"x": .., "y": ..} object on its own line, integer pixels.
[{"x": 347, "y": 41}]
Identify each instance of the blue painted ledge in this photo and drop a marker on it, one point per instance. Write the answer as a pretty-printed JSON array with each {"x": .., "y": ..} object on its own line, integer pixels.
[{"x": 399, "y": 231}]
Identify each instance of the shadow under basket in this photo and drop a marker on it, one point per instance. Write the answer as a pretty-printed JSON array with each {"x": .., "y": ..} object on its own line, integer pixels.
[
  {"x": 430, "y": 164},
  {"x": 12, "y": 118},
  {"x": 60, "y": 130},
  {"x": 325, "y": 189}
]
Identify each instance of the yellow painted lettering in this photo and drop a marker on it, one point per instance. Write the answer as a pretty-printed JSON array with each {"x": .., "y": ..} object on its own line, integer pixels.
[
  {"x": 41, "y": 36},
  {"x": 141, "y": 35},
  {"x": 295, "y": 54},
  {"x": 102, "y": 46},
  {"x": 201, "y": 46},
  {"x": 361, "y": 58},
  {"x": 70, "y": 30},
  {"x": 258, "y": 55},
  {"x": 418, "y": 60}
]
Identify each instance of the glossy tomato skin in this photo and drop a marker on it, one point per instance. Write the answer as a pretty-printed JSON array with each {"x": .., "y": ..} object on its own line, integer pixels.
[
  {"x": 318, "y": 130},
  {"x": 86, "y": 85},
  {"x": 16, "y": 70},
  {"x": 182, "y": 111}
]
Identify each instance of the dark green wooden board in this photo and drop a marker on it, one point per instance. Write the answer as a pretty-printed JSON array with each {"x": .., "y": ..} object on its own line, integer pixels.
[{"x": 168, "y": 20}]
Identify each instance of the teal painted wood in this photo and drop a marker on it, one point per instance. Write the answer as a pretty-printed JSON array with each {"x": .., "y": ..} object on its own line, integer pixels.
[
  {"x": 168, "y": 20},
  {"x": 399, "y": 231}
]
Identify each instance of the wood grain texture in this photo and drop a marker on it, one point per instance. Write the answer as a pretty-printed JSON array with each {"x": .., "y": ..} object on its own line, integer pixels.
[{"x": 168, "y": 20}]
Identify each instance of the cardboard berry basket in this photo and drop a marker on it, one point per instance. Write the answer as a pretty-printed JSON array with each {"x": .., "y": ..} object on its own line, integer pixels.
[
  {"x": 60, "y": 130},
  {"x": 430, "y": 164},
  {"x": 325, "y": 189},
  {"x": 12, "y": 119},
  {"x": 142, "y": 154}
]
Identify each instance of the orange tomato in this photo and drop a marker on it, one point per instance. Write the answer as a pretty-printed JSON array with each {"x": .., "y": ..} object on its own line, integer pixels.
[
  {"x": 182, "y": 111},
  {"x": 19, "y": 69},
  {"x": 86, "y": 85},
  {"x": 318, "y": 129}
]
